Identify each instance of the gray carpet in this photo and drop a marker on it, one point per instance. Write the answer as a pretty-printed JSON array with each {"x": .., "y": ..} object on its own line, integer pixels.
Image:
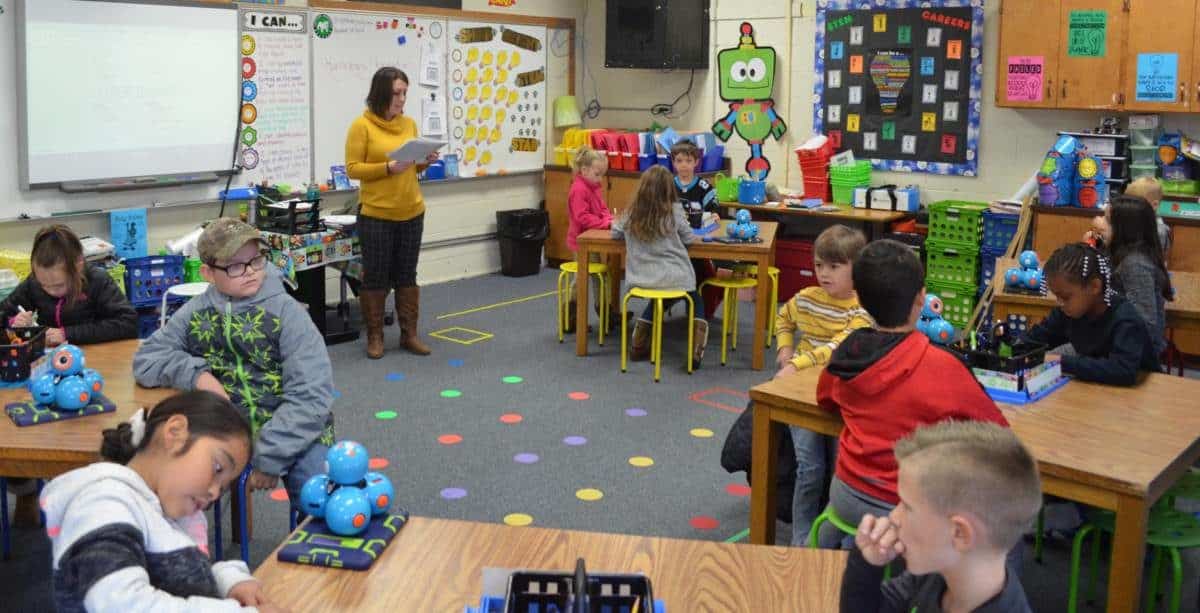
[{"x": 683, "y": 494}]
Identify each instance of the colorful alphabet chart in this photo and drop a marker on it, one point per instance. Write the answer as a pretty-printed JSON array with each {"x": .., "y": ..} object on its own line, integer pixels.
[{"x": 899, "y": 82}]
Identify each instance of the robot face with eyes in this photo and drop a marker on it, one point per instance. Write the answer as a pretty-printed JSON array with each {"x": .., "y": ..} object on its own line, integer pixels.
[{"x": 933, "y": 307}]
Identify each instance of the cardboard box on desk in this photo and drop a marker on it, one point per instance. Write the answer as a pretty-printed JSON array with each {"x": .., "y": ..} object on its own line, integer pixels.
[{"x": 888, "y": 198}]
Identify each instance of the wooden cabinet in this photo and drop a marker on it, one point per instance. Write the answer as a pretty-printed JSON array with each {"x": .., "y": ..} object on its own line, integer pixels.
[
  {"x": 1054, "y": 227},
  {"x": 1033, "y": 45},
  {"x": 1162, "y": 27}
]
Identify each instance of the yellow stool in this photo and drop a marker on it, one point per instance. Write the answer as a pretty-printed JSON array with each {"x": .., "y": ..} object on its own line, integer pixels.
[
  {"x": 564, "y": 297},
  {"x": 773, "y": 273},
  {"x": 657, "y": 295},
  {"x": 729, "y": 307}
]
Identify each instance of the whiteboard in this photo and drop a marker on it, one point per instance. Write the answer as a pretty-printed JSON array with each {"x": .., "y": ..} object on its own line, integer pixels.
[
  {"x": 347, "y": 54},
  {"x": 497, "y": 83},
  {"x": 275, "y": 142}
]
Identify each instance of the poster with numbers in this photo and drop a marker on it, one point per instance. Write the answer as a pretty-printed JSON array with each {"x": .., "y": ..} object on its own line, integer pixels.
[
  {"x": 898, "y": 82},
  {"x": 497, "y": 97}
]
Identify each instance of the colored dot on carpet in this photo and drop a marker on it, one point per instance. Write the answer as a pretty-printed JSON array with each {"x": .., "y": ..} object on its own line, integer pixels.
[
  {"x": 511, "y": 418},
  {"x": 449, "y": 439},
  {"x": 589, "y": 494},
  {"x": 279, "y": 495},
  {"x": 456, "y": 363},
  {"x": 737, "y": 489},
  {"x": 635, "y": 412},
  {"x": 512, "y": 379},
  {"x": 641, "y": 461},
  {"x": 579, "y": 395},
  {"x": 385, "y": 415},
  {"x": 518, "y": 519},
  {"x": 526, "y": 458},
  {"x": 394, "y": 376},
  {"x": 451, "y": 393},
  {"x": 704, "y": 522},
  {"x": 454, "y": 493},
  {"x": 337, "y": 394},
  {"x": 575, "y": 441},
  {"x": 701, "y": 432},
  {"x": 378, "y": 463}
]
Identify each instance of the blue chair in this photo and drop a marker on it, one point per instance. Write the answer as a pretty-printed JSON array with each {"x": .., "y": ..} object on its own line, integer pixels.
[{"x": 294, "y": 519}]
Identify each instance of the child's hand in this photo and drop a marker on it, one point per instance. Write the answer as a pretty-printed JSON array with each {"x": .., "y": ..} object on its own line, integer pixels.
[
  {"x": 207, "y": 382},
  {"x": 55, "y": 337},
  {"x": 395, "y": 167},
  {"x": 261, "y": 481},
  {"x": 248, "y": 593},
  {"x": 787, "y": 369},
  {"x": 23, "y": 319},
  {"x": 878, "y": 540},
  {"x": 784, "y": 356}
]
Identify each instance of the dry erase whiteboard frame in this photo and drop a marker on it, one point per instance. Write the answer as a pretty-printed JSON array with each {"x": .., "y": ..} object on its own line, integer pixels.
[{"x": 114, "y": 183}]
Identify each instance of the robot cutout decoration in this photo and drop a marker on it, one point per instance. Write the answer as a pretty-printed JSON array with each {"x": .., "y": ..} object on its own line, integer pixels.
[{"x": 747, "y": 74}]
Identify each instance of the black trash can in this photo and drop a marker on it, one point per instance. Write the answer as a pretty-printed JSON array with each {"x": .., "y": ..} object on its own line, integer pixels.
[{"x": 522, "y": 233}]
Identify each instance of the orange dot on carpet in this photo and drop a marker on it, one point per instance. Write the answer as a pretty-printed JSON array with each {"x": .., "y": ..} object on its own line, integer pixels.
[
  {"x": 279, "y": 495},
  {"x": 511, "y": 418},
  {"x": 579, "y": 395},
  {"x": 450, "y": 439},
  {"x": 737, "y": 489},
  {"x": 704, "y": 522},
  {"x": 377, "y": 463}
]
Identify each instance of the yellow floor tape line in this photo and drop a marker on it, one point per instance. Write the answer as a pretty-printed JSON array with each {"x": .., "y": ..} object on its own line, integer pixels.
[{"x": 497, "y": 305}]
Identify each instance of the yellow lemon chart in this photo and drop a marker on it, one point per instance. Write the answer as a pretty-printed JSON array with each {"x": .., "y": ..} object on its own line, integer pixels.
[
  {"x": 472, "y": 74},
  {"x": 470, "y": 156},
  {"x": 501, "y": 94},
  {"x": 487, "y": 58},
  {"x": 485, "y": 93},
  {"x": 496, "y": 135},
  {"x": 514, "y": 60},
  {"x": 488, "y": 73},
  {"x": 486, "y": 158},
  {"x": 469, "y": 133},
  {"x": 482, "y": 137},
  {"x": 472, "y": 112},
  {"x": 512, "y": 97},
  {"x": 472, "y": 55},
  {"x": 500, "y": 116},
  {"x": 501, "y": 76},
  {"x": 501, "y": 57},
  {"x": 485, "y": 113},
  {"x": 472, "y": 92}
]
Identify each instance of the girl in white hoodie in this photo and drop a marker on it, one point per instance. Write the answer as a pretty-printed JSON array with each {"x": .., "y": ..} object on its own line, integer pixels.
[{"x": 130, "y": 533}]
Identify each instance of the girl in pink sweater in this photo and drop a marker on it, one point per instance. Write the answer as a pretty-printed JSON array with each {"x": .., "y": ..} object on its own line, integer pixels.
[{"x": 587, "y": 209}]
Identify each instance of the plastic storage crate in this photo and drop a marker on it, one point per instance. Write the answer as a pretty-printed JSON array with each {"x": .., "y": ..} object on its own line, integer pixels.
[
  {"x": 148, "y": 317},
  {"x": 957, "y": 221},
  {"x": 950, "y": 263},
  {"x": 998, "y": 231},
  {"x": 958, "y": 301},
  {"x": 146, "y": 278},
  {"x": 987, "y": 268},
  {"x": 117, "y": 272}
]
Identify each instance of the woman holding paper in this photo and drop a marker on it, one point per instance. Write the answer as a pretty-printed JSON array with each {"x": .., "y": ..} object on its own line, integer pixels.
[{"x": 392, "y": 214}]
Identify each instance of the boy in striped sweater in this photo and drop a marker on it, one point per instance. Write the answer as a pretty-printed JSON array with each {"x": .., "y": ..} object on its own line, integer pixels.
[{"x": 821, "y": 316}]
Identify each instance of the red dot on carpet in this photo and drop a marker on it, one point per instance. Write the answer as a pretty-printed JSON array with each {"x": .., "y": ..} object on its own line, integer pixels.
[
  {"x": 279, "y": 495},
  {"x": 704, "y": 522},
  {"x": 579, "y": 395},
  {"x": 449, "y": 439},
  {"x": 737, "y": 489},
  {"x": 511, "y": 418},
  {"x": 377, "y": 463}
]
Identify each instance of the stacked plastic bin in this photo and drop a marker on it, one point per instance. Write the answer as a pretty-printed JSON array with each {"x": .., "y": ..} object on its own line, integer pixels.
[
  {"x": 952, "y": 257},
  {"x": 846, "y": 177},
  {"x": 998, "y": 231},
  {"x": 814, "y": 165},
  {"x": 1143, "y": 148},
  {"x": 146, "y": 279}
]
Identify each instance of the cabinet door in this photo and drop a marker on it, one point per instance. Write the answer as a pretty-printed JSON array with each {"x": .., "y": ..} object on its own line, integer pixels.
[
  {"x": 558, "y": 184},
  {"x": 1027, "y": 74},
  {"x": 621, "y": 191},
  {"x": 1158, "y": 64},
  {"x": 1090, "y": 57}
]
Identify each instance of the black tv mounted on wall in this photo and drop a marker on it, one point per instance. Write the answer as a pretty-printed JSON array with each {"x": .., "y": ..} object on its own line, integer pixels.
[{"x": 663, "y": 34}]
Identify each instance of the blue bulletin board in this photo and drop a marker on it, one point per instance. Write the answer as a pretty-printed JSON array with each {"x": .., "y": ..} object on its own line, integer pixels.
[{"x": 899, "y": 82}]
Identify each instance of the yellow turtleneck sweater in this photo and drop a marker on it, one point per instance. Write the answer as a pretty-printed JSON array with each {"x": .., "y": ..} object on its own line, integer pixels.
[{"x": 395, "y": 197}]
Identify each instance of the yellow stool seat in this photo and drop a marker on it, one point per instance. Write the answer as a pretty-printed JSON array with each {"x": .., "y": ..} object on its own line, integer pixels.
[
  {"x": 773, "y": 273},
  {"x": 566, "y": 271},
  {"x": 657, "y": 296},
  {"x": 729, "y": 307}
]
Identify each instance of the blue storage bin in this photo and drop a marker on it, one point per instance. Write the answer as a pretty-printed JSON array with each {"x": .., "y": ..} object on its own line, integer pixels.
[
  {"x": 646, "y": 161},
  {"x": 664, "y": 160},
  {"x": 713, "y": 159},
  {"x": 998, "y": 230},
  {"x": 987, "y": 268},
  {"x": 146, "y": 278},
  {"x": 495, "y": 604}
]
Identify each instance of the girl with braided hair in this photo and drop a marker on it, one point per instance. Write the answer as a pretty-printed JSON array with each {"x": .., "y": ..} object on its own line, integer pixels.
[{"x": 1109, "y": 337}]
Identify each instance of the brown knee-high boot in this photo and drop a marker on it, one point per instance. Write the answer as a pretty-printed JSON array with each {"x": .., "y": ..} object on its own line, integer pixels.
[
  {"x": 408, "y": 311},
  {"x": 372, "y": 301}
]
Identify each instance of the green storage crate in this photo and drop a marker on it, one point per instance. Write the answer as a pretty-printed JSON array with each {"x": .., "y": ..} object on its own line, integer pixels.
[
  {"x": 191, "y": 270},
  {"x": 957, "y": 221},
  {"x": 958, "y": 301},
  {"x": 950, "y": 263},
  {"x": 117, "y": 272},
  {"x": 857, "y": 173},
  {"x": 843, "y": 194},
  {"x": 1183, "y": 187}
]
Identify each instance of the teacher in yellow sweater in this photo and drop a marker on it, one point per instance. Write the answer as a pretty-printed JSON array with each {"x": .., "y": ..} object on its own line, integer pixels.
[{"x": 392, "y": 214}]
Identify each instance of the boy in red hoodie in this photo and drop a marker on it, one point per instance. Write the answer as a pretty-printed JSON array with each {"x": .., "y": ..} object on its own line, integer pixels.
[
  {"x": 886, "y": 381},
  {"x": 587, "y": 210}
]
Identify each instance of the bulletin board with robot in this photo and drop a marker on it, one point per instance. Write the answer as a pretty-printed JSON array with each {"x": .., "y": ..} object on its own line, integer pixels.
[{"x": 899, "y": 83}]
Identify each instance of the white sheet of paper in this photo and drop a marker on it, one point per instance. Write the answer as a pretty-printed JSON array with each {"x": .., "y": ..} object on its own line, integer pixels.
[{"x": 416, "y": 150}]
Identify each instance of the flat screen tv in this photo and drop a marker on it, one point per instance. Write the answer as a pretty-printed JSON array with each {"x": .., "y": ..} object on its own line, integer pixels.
[{"x": 664, "y": 34}]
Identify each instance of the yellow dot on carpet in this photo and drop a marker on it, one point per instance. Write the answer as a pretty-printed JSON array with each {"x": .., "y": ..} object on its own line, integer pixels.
[
  {"x": 641, "y": 461},
  {"x": 589, "y": 494},
  {"x": 701, "y": 433},
  {"x": 518, "y": 519}
]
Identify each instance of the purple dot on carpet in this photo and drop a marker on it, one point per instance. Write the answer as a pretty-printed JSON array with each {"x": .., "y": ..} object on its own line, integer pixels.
[
  {"x": 454, "y": 493},
  {"x": 635, "y": 412},
  {"x": 575, "y": 440},
  {"x": 526, "y": 458}
]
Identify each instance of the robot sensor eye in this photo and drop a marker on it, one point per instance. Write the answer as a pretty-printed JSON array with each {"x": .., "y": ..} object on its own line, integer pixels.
[
  {"x": 758, "y": 70},
  {"x": 738, "y": 71}
]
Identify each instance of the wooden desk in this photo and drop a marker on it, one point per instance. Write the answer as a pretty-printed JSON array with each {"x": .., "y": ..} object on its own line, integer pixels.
[
  {"x": 1183, "y": 313},
  {"x": 1055, "y": 226},
  {"x": 437, "y": 564},
  {"x": 871, "y": 219},
  {"x": 762, "y": 254},
  {"x": 48, "y": 450},
  {"x": 1109, "y": 447}
]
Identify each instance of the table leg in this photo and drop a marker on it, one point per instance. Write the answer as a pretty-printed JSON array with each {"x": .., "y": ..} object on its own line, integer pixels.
[
  {"x": 581, "y": 300},
  {"x": 762, "y": 480},
  {"x": 762, "y": 310},
  {"x": 1128, "y": 550}
]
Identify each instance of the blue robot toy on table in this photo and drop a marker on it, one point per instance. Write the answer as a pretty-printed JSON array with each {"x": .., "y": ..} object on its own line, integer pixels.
[
  {"x": 742, "y": 228},
  {"x": 932, "y": 324},
  {"x": 349, "y": 495},
  {"x": 1027, "y": 278},
  {"x": 69, "y": 385}
]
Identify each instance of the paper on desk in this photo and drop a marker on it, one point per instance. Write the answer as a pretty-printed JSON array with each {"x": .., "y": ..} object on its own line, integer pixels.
[{"x": 416, "y": 150}]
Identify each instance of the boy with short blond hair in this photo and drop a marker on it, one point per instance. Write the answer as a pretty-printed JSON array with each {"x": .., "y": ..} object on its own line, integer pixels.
[
  {"x": 968, "y": 490},
  {"x": 1151, "y": 190}
]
